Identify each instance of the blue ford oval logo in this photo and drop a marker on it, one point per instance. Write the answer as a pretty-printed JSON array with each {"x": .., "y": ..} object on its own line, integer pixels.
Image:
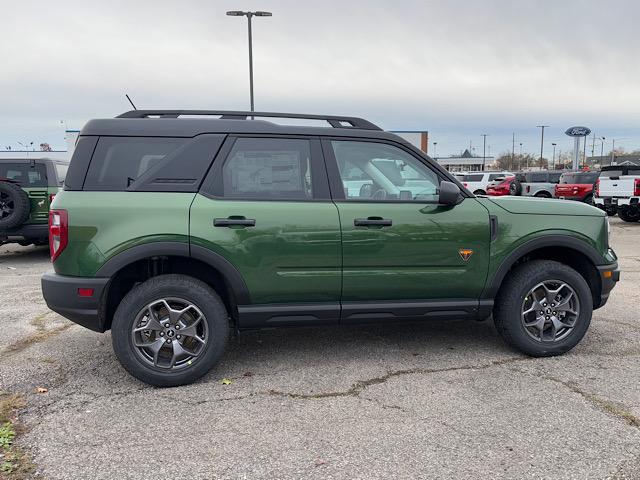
[{"x": 578, "y": 131}]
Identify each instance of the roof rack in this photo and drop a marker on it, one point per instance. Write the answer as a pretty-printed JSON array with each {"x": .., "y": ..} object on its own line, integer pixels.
[{"x": 333, "y": 120}]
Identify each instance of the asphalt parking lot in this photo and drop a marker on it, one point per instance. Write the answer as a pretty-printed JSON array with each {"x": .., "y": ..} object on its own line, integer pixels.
[{"x": 437, "y": 400}]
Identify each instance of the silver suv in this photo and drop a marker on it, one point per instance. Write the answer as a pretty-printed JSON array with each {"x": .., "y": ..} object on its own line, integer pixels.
[{"x": 540, "y": 184}]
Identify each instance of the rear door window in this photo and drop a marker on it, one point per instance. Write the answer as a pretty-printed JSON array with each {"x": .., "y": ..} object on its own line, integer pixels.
[
  {"x": 610, "y": 173},
  {"x": 554, "y": 177},
  {"x": 24, "y": 174}
]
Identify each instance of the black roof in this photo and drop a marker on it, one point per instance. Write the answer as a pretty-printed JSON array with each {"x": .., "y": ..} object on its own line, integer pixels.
[{"x": 164, "y": 123}]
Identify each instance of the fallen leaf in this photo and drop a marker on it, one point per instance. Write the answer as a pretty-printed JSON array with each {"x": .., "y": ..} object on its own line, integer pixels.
[
  {"x": 226, "y": 381},
  {"x": 41, "y": 390},
  {"x": 247, "y": 374}
]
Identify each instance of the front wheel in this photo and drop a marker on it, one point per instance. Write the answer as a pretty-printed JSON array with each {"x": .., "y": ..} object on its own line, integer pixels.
[
  {"x": 543, "y": 195},
  {"x": 170, "y": 330},
  {"x": 479, "y": 192},
  {"x": 544, "y": 308}
]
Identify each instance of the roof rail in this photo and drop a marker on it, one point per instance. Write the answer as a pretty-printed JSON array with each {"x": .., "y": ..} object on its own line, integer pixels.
[{"x": 333, "y": 120}]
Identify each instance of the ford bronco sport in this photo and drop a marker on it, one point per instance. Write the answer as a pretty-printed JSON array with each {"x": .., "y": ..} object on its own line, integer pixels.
[
  {"x": 173, "y": 231},
  {"x": 27, "y": 187}
]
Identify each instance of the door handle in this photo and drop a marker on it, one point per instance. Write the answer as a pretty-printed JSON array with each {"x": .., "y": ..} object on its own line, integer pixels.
[
  {"x": 372, "y": 222},
  {"x": 234, "y": 222}
]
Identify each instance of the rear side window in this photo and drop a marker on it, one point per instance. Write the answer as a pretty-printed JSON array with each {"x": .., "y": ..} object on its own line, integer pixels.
[
  {"x": 119, "y": 161},
  {"x": 151, "y": 164},
  {"x": 268, "y": 168},
  {"x": 536, "y": 177},
  {"x": 23, "y": 173},
  {"x": 579, "y": 178}
]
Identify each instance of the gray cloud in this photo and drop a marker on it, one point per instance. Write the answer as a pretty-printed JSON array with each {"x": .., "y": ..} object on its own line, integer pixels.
[{"x": 457, "y": 68}]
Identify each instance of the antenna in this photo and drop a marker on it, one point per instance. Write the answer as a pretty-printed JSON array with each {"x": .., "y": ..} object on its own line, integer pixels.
[{"x": 134, "y": 107}]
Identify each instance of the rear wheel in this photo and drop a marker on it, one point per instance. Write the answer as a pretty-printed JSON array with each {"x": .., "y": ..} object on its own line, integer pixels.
[
  {"x": 544, "y": 308},
  {"x": 170, "y": 330},
  {"x": 629, "y": 215},
  {"x": 515, "y": 188},
  {"x": 479, "y": 192}
]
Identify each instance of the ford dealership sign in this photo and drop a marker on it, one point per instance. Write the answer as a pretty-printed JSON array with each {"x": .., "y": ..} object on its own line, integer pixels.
[{"x": 578, "y": 131}]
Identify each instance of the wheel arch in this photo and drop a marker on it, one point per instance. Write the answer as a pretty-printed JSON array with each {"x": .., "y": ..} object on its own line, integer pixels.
[
  {"x": 570, "y": 251},
  {"x": 142, "y": 262}
]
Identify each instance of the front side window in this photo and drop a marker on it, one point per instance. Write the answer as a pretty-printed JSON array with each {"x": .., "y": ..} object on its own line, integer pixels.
[
  {"x": 24, "y": 174},
  {"x": 268, "y": 168},
  {"x": 377, "y": 171}
]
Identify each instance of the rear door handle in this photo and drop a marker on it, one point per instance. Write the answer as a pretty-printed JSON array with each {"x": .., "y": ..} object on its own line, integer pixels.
[
  {"x": 234, "y": 222},
  {"x": 372, "y": 222}
]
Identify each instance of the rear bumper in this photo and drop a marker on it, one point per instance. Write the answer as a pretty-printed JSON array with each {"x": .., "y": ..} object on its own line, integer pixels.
[
  {"x": 61, "y": 294},
  {"x": 609, "y": 276},
  {"x": 33, "y": 230}
]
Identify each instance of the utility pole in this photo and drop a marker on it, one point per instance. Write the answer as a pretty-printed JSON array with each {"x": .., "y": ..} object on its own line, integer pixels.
[
  {"x": 513, "y": 150},
  {"x": 593, "y": 145},
  {"x": 613, "y": 151},
  {"x": 541, "y": 141},
  {"x": 553, "y": 159},
  {"x": 484, "y": 149},
  {"x": 602, "y": 152},
  {"x": 435, "y": 155}
]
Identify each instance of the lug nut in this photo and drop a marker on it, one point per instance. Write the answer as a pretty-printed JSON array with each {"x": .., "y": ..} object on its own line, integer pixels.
[
  {"x": 178, "y": 336},
  {"x": 168, "y": 340},
  {"x": 547, "y": 318},
  {"x": 162, "y": 334},
  {"x": 177, "y": 327},
  {"x": 555, "y": 313}
]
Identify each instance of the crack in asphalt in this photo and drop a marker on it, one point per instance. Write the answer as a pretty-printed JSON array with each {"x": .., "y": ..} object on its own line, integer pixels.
[
  {"x": 361, "y": 385},
  {"x": 604, "y": 405},
  {"x": 42, "y": 334}
]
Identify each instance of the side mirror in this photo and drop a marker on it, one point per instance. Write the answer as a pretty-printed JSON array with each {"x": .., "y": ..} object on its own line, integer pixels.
[{"x": 449, "y": 193}]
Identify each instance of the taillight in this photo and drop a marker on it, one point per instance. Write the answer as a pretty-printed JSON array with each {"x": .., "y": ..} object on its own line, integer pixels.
[
  {"x": 528, "y": 188},
  {"x": 596, "y": 189},
  {"x": 636, "y": 187},
  {"x": 51, "y": 197},
  {"x": 465, "y": 184},
  {"x": 58, "y": 232}
]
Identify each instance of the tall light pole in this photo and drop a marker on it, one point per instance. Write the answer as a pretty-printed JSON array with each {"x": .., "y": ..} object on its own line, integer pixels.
[
  {"x": 602, "y": 152},
  {"x": 541, "y": 141},
  {"x": 435, "y": 154},
  {"x": 249, "y": 15},
  {"x": 553, "y": 159},
  {"x": 484, "y": 149},
  {"x": 513, "y": 149}
]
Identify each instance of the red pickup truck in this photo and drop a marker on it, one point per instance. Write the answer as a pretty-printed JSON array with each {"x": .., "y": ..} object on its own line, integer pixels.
[{"x": 576, "y": 186}]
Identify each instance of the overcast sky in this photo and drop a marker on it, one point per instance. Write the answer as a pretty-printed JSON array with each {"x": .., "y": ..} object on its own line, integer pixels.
[{"x": 455, "y": 68}]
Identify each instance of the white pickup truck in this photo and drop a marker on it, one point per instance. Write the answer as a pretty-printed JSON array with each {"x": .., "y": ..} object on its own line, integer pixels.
[{"x": 617, "y": 190}]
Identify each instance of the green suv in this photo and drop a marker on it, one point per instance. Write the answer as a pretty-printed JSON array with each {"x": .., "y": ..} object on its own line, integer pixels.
[
  {"x": 27, "y": 187},
  {"x": 175, "y": 228}
]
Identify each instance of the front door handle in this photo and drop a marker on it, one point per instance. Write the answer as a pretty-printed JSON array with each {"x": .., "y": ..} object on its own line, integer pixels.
[
  {"x": 234, "y": 222},
  {"x": 372, "y": 222}
]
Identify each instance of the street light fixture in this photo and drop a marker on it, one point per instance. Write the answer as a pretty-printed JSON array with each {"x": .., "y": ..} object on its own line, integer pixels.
[{"x": 249, "y": 15}]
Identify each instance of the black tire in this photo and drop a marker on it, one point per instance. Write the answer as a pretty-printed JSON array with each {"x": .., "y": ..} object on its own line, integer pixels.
[
  {"x": 629, "y": 215},
  {"x": 479, "y": 192},
  {"x": 14, "y": 205},
  {"x": 170, "y": 286},
  {"x": 588, "y": 199},
  {"x": 611, "y": 213},
  {"x": 515, "y": 188},
  {"x": 507, "y": 312}
]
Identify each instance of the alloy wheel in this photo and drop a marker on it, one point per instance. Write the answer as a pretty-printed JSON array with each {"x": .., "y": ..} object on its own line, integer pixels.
[
  {"x": 550, "y": 311},
  {"x": 170, "y": 333}
]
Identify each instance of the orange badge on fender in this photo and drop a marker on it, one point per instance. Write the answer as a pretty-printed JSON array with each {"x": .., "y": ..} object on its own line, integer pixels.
[{"x": 465, "y": 253}]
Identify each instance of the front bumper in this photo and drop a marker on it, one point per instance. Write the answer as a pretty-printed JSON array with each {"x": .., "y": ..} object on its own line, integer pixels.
[
  {"x": 609, "y": 276},
  {"x": 62, "y": 296}
]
